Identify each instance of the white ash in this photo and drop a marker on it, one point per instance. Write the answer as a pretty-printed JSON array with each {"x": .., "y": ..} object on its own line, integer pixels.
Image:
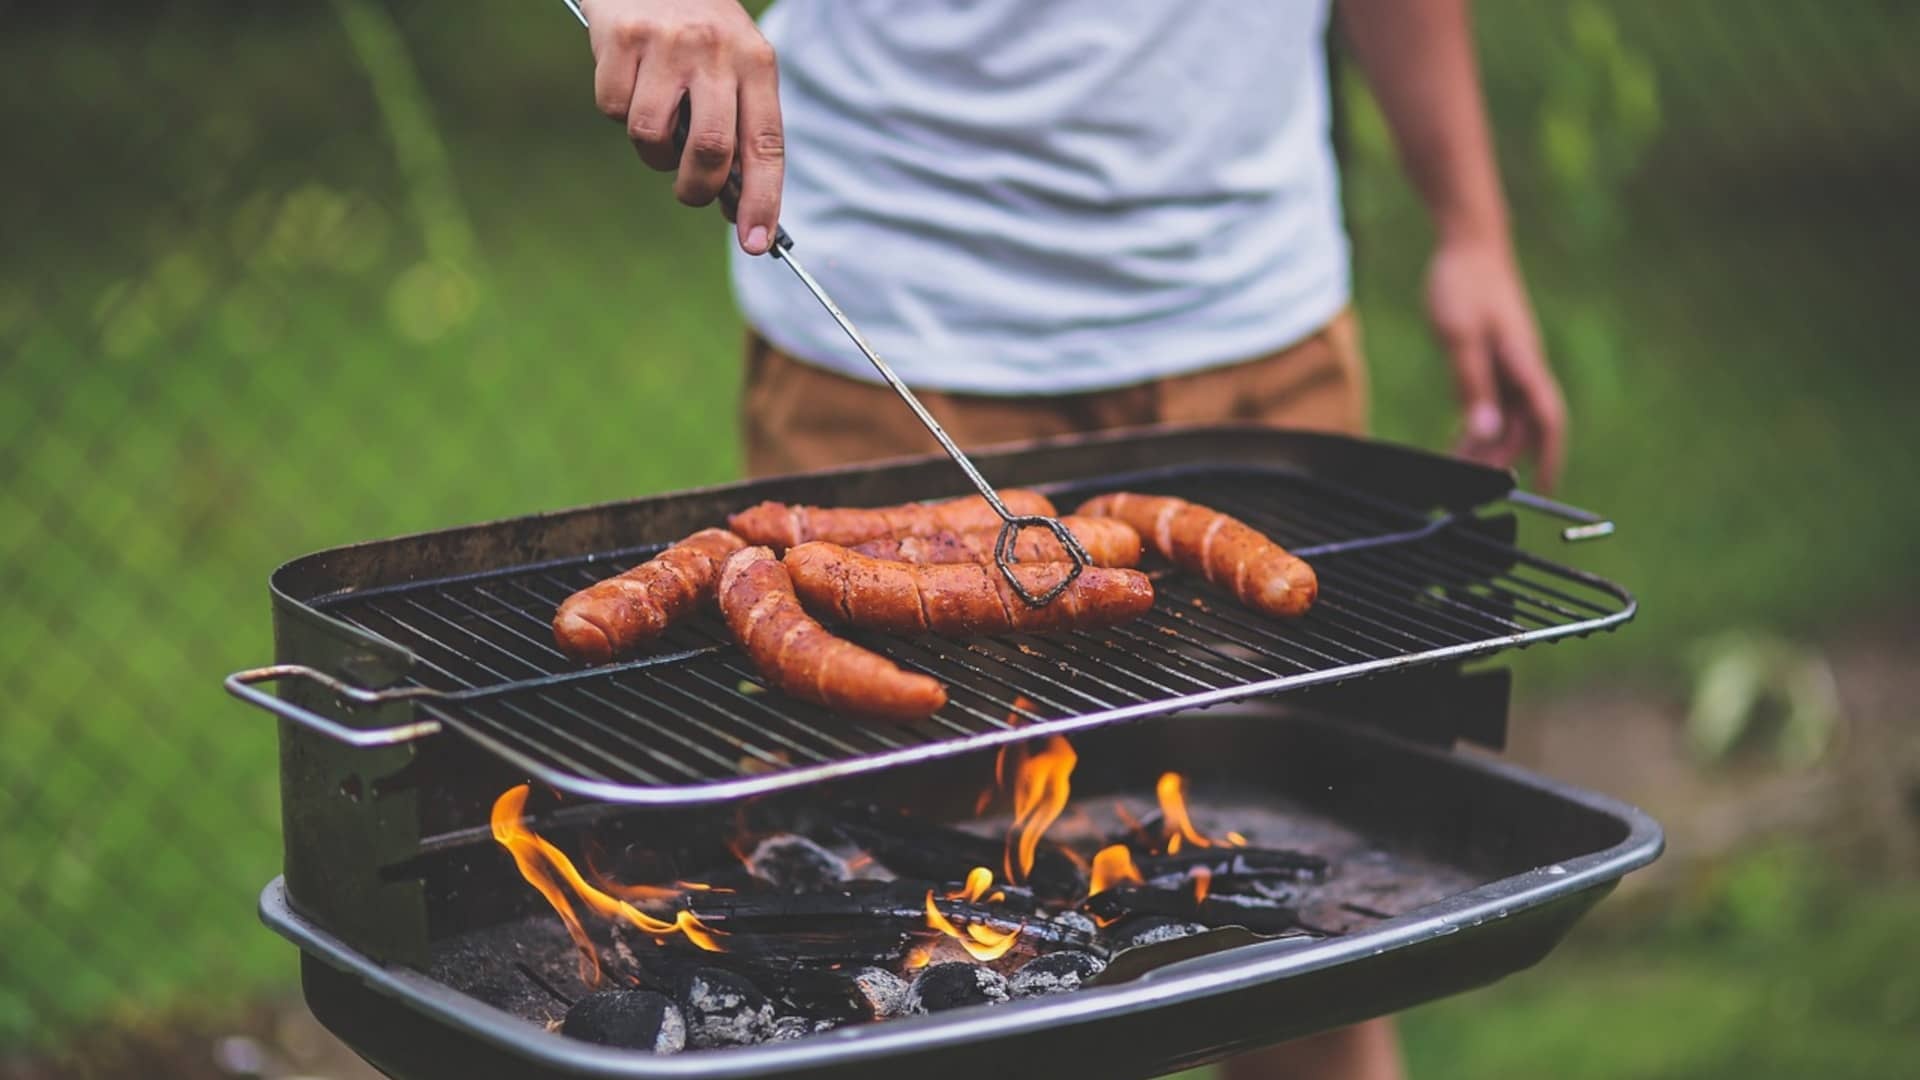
[
  {"x": 723, "y": 1009},
  {"x": 885, "y": 992},
  {"x": 1055, "y": 973},
  {"x": 1076, "y": 920},
  {"x": 949, "y": 986},
  {"x": 673, "y": 1033},
  {"x": 788, "y": 1028},
  {"x": 1152, "y": 930},
  {"x": 792, "y": 863}
]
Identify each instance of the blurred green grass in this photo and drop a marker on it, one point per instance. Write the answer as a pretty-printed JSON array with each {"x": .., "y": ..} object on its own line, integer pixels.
[
  {"x": 1779, "y": 968},
  {"x": 228, "y": 338}
]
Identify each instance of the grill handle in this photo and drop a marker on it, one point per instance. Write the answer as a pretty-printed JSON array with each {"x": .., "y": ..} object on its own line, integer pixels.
[
  {"x": 242, "y": 684},
  {"x": 1587, "y": 525}
]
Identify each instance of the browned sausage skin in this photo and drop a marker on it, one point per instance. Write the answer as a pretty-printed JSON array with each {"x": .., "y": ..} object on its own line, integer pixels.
[
  {"x": 1108, "y": 541},
  {"x": 1228, "y": 552},
  {"x": 612, "y": 617},
  {"x": 781, "y": 526},
  {"x": 800, "y": 657},
  {"x": 959, "y": 599}
]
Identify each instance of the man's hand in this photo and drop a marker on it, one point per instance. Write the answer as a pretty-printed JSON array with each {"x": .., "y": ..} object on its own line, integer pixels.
[
  {"x": 650, "y": 54},
  {"x": 1511, "y": 403},
  {"x": 1419, "y": 59}
]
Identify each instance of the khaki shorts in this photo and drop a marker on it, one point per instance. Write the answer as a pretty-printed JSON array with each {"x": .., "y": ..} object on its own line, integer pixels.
[{"x": 798, "y": 417}]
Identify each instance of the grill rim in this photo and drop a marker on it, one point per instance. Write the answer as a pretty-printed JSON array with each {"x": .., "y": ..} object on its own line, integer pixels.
[
  {"x": 1446, "y": 485},
  {"x": 1484, "y": 911}
]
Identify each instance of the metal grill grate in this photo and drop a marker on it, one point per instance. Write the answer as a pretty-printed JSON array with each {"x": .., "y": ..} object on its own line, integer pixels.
[{"x": 692, "y": 720}]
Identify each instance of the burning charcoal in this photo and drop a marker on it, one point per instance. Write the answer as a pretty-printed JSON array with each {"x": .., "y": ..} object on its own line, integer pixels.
[
  {"x": 939, "y": 987},
  {"x": 1258, "y": 914},
  {"x": 1222, "y": 861},
  {"x": 862, "y": 912},
  {"x": 914, "y": 848},
  {"x": 792, "y": 863},
  {"x": 844, "y": 941},
  {"x": 630, "y": 1019},
  {"x": 1076, "y": 922},
  {"x": 723, "y": 1009},
  {"x": 884, "y": 992},
  {"x": 787, "y": 1028},
  {"x": 1265, "y": 887},
  {"x": 1055, "y": 973},
  {"x": 1138, "y": 930}
]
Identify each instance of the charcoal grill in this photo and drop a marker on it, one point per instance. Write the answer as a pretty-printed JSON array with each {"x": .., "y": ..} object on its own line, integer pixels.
[{"x": 417, "y": 680}]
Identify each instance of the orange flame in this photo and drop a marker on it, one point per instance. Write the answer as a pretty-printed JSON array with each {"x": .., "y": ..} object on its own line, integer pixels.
[
  {"x": 1172, "y": 790},
  {"x": 1202, "y": 881},
  {"x": 981, "y": 942},
  {"x": 525, "y": 847},
  {"x": 1236, "y": 839},
  {"x": 536, "y": 856},
  {"x": 1112, "y": 865},
  {"x": 1015, "y": 717},
  {"x": 1040, "y": 791},
  {"x": 979, "y": 880},
  {"x": 918, "y": 957}
]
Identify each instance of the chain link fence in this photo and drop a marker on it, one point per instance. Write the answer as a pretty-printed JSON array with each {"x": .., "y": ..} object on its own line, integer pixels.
[{"x": 281, "y": 277}]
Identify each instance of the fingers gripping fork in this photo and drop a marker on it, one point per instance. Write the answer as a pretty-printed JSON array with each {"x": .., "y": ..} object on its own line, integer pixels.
[{"x": 1011, "y": 524}]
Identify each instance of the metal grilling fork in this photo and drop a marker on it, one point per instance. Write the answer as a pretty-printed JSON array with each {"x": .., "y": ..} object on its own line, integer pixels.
[{"x": 1011, "y": 523}]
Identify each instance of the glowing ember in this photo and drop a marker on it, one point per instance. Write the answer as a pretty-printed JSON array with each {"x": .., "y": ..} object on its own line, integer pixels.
[
  {"x": 1040, "y": 791},
  {"x": 1113, "y": 865},
  {"x": 981, "y": 942},
  {"x": 538, "y": 860}
]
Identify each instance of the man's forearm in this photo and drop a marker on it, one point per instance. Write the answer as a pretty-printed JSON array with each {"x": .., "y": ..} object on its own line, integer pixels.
[{"x": 1418, "y": 58}]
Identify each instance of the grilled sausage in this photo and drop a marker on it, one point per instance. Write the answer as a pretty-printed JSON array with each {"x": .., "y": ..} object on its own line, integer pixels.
[
  {"x": 1108, "y": 542},
  {"x": 801, "y": 658},
  {"x": 780, "y": 526},
  {"x": 959, "y": 599},
  {"x": 1228, "y": 552},
  {"x": 614, "y": 616}
]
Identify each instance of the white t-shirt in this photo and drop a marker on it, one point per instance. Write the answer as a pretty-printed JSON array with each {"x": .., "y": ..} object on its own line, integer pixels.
[{"x": 1051, "y": 196}]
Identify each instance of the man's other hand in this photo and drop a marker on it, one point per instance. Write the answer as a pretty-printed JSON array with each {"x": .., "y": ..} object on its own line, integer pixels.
[
  {"x": 1508, "y": 396},
  {"x": 650, "y": 54}
]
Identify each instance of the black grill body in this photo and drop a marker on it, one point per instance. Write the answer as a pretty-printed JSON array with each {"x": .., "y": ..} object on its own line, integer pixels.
[
  {"x": 1539, "y": 855},
  {"x": 386, "y": 845}
]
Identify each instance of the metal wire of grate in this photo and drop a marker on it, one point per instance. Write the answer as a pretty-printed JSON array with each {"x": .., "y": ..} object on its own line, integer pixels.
[{"x": 693, "y": 721}]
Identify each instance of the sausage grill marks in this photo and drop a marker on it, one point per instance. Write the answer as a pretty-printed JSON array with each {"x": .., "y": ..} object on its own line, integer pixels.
[
  {"x": 1109, "y": 542},
  {"x": 801, "y": 658},
  {"x": 615, "y": 616},
  {"x": 781, "y": 526},
  {"x": 960, "y": 599},
  {"x": 1229, "y": 553}
]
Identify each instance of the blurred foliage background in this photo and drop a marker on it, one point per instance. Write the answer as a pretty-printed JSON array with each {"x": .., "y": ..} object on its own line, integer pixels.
[{"x": 286, "y": 276}]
